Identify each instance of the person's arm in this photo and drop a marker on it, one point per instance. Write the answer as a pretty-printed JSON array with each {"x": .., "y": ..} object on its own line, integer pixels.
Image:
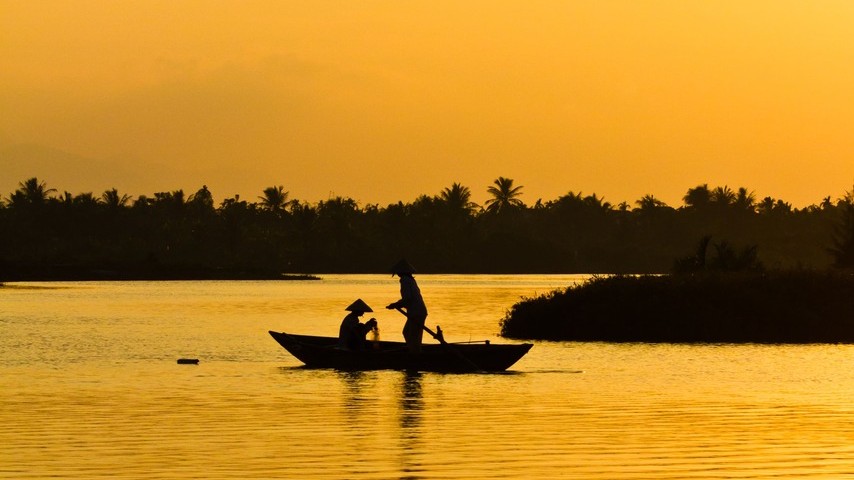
[{"x": 405, "y": 295}]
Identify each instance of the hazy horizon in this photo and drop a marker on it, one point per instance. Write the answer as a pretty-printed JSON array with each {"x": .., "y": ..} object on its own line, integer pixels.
[{"x": 101, "y": 175}]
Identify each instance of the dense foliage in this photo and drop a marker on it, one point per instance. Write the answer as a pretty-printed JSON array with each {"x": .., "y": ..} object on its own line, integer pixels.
[
  {"x": 714, "y": 307},
  {"x": 171, "y": 233}
]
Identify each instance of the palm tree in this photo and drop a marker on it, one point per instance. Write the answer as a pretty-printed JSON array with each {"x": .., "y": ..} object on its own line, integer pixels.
[
  {"x": 698, "y": 197},
  {"x": 504, "y": 195},
  {"x": 111, "y": 198},
  {"x": 745, "y": 200},
  {"x": 696, "y": 262},
  {"x": 457, "y": 198},
  {"x": 570, "y": 201},
  {"x": 31, "y": 192},
  {"x": 783, "y": 207},
  {"x": 770, "y": 206},
  {"x": 597, "y": 203},
  {"x": 725, "y": 258},
  {"x": 275, "y": 198},
  {"x": 85, "y": 199},
  {"x": 728, "y": 259},
  {"x": 723, "y": 196},
  {"x": 173, "y": 199},
  {"x": 648, "y": 203},
  {"x": 766, "y": 206}
]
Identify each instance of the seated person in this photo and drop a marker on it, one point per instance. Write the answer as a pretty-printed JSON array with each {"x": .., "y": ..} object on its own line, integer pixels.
[{"x": 351, "y": 334}]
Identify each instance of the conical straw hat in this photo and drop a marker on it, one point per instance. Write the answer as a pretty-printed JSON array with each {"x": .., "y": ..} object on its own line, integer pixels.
[
  {"x": 402, "y": 267},
  {"x": 359, "y": 306}
]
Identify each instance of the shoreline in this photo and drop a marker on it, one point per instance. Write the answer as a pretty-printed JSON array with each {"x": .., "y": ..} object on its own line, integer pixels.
[{"x": 65, "y": 274}]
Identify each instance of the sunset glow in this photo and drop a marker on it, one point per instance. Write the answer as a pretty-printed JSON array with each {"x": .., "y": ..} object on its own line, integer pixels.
[{"x": 384, "y": 101}]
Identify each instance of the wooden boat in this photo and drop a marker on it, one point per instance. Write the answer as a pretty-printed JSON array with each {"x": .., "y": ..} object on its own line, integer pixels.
[{"x": 323, "y": 352}]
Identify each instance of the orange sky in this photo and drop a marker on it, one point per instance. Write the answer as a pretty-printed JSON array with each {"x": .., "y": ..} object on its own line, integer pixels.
[{"x": 386, "y": 100}]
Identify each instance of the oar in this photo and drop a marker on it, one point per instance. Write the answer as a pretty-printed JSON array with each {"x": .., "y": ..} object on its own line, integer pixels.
[{"x": 441, "y": 338}]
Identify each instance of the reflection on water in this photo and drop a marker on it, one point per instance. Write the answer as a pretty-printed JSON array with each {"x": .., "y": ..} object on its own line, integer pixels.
[
  {"x": 411, "y": 405},
  {"x": 354, "y": 400},
  {"x": 381, "y": 419},
  {"x": 89, "y": 389}
]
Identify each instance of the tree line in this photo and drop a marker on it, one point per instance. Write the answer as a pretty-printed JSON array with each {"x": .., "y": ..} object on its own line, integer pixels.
[{"x": 446, "y": 232}]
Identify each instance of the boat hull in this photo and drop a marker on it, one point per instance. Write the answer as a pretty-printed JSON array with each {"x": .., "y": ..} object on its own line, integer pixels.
[{"x": 322, "y": 352}]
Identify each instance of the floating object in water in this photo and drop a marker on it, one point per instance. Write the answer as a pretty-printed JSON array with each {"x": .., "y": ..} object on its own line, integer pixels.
[{"x": 188, "y": 361}]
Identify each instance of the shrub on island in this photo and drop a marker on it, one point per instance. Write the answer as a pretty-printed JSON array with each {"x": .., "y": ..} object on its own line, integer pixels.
[{"x": 708, "y": 307}]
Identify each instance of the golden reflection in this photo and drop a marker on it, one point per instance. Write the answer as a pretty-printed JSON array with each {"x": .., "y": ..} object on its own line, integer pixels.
[
  {"x": 357, "y": 422},
  {"x": 411, "y": 407},
  {"x": 354, "y": 400}
]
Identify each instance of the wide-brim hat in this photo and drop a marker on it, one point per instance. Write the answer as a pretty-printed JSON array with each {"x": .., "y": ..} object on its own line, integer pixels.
[
  {"x": 402, "y": 267},
  {"x": 359, "y": 306}
]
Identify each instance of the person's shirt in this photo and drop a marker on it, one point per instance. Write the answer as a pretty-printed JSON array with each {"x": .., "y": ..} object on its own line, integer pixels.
[
  {"x": 410, "y": 296},
  {"x": 347, "y": 330}
]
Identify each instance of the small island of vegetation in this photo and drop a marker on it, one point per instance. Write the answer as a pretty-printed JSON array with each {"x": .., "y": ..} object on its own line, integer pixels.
[
  {"x": 779, "y": 307},
  {"x": 725, "y": 297}
]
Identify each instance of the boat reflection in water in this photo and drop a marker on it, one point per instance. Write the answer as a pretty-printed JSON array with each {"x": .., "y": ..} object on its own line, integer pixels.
[{"x": 383, "y": 427}]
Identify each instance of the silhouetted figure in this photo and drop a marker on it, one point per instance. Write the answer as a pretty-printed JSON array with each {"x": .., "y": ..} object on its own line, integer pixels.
[
  {"x": 413, "y": 304},
  {"x": 352, "y": 333}
]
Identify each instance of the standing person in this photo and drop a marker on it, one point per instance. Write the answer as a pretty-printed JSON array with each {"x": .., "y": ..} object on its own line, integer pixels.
[
  {"x": 412, "y": 302},
  {"x": 351, "y": 333}
]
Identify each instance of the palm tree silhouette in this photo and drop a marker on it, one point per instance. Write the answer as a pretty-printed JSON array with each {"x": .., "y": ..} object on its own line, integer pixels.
[
  {"x": 173, "y": 199},
  {"x": 745, "y": 200},
  {"x": 457, "y": 198},
  {"x": 648, "y": 203},
  {"x": 111, "y": 198},
  {"x": 504, "y": 195},
  {"x": 597, "y": 203},
  {"x": 86, "y": 198},
  {"x": 275, "y": 198},
  {"x": 723, "y": 196},
  {"x": 698, "y": 197},
  {"x": 31, "y": 192}
]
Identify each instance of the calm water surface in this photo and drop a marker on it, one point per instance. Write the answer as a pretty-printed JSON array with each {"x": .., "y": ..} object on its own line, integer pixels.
[{"x": 89, "y": 388}]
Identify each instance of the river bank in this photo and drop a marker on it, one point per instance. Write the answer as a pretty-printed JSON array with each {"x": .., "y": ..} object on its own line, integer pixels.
[{"x": 61, "y": 273}]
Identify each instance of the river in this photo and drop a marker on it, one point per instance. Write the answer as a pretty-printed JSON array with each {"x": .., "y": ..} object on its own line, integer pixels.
[{"x": 90, "y": 389}]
